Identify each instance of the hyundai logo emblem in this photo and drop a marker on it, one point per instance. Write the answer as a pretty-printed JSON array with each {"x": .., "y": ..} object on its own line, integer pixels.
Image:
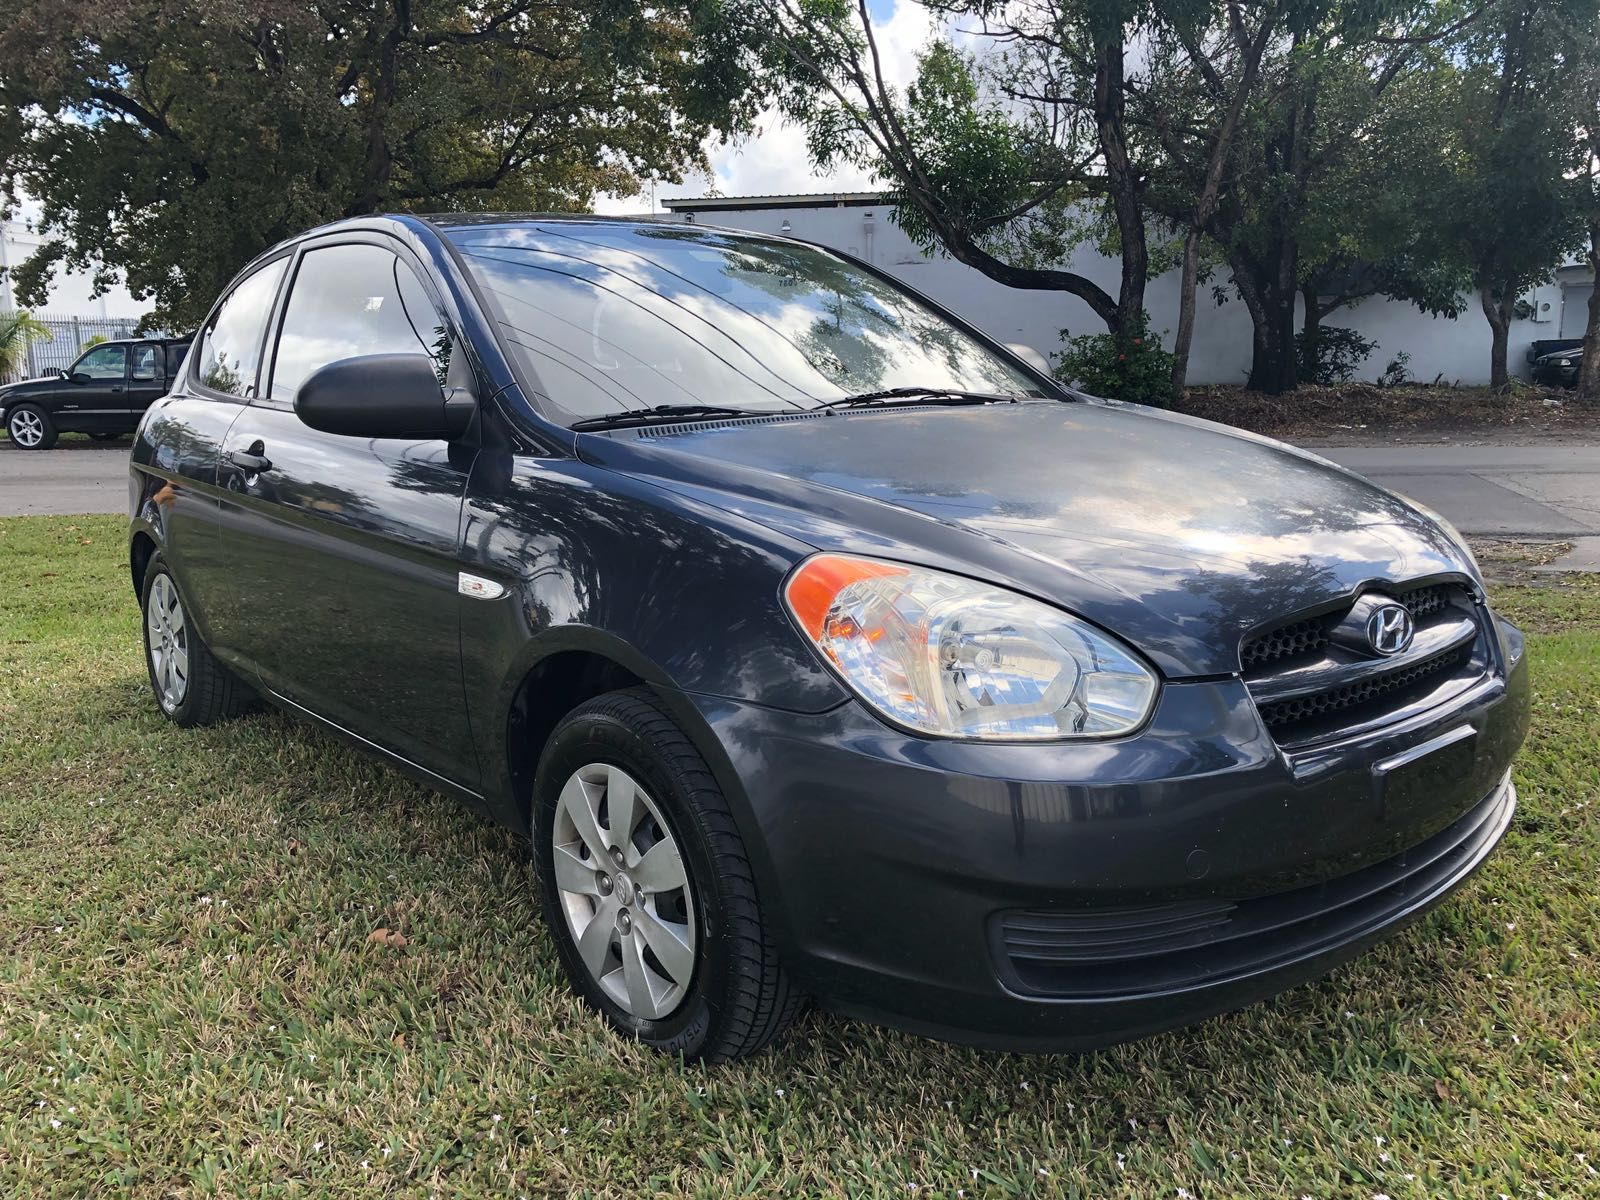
[{"x": 1390, "y": 629}]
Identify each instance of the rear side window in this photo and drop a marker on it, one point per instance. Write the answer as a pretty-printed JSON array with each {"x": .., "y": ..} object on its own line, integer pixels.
[
  {"x": 348, "y": 301},
  {"x": 103, "y": 362},
  {"x": 146, "y": 364},
  {"x": 230, "y": 345}
]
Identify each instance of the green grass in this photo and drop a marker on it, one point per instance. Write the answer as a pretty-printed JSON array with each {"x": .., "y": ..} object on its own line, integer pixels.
[{"x": 189, "y": 1003}]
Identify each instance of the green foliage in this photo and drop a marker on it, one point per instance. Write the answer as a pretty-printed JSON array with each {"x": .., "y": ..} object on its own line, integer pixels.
[
  {"x": 169, "y": 145},
  {"x": 1397, "y": 372},
  {"x": 19, "y": 330},
  {"x": 1330, "y": 355},
  {"x": 1137, "y": 370}
]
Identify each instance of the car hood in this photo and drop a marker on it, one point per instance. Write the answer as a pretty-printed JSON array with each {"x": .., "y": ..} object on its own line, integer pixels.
[
  {"x": 25, "y": 387},
  {"x": 1176, "y": 534}
]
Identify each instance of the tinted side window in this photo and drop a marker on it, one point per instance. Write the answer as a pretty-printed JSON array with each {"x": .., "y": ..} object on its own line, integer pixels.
[
  {"x": 146, "y": 367},
  {"x": 348, "y": 301},
  {"x": 103, "y": 362},
  {"x": 230, "y": 346}
]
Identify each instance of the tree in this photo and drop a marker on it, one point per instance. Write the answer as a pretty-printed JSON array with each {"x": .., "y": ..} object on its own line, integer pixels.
[
  {"x": 1584, "y": 32},
  {"x": 1512, "y": 206},
  {"x": 1195, "y": 117},
  {"x": 18, "y": 331},
  {"x": 1369, "y": 227},
  {"x": 169, "y": 143},
  {"x": 989, "y": 161},
  {"x": 1270, "y": 113}
]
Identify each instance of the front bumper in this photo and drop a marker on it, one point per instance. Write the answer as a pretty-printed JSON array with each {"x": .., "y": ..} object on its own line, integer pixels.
[{"x": 1069, "y": 896}]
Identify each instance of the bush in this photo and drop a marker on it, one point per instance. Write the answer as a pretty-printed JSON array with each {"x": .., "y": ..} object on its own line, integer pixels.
[
  {"x": 1397, "y": 372},
  {"x": 1333, "y": 355},
  {"x": 1140, "y": 374}
]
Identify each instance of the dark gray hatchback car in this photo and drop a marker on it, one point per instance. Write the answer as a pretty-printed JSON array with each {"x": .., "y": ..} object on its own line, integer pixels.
[{"x": 823, "y": 647}]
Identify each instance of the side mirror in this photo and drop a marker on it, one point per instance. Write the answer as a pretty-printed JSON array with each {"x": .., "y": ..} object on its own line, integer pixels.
[
  {"x": 1030, "y": 356},
  {"x": 384, "y": 396}
]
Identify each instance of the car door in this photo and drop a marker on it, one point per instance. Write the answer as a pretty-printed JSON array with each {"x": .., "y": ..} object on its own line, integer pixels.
[
  {"x": 348, "y": 548},
  {"x": 147, "y": 380},
  {"x": 179, "y": 445},
  {"x": 94, "y": 398}
]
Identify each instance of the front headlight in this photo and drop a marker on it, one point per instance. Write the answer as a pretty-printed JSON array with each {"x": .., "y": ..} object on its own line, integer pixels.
[{"x": 952, "y": 657}]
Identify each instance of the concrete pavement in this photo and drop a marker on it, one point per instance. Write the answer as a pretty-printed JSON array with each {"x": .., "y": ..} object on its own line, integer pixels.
[
  {"x": 1548, "y": 491},
  {"x": 1536, "y": 491},
  {"x": 76, "y": 477}
]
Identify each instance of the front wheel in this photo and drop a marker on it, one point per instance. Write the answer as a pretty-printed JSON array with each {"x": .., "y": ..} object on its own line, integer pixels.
[
  {"x": 647, "y": 887},
  {"x": 191, "y": 686},
  {"x": 31, "y": 428}
]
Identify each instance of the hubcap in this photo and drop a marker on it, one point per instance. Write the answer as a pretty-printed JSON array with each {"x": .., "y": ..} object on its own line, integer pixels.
[
  {"x": 624, "y": 891},
  {"x": 27, "y": 429},
  {"x": 167, "y": 636}
]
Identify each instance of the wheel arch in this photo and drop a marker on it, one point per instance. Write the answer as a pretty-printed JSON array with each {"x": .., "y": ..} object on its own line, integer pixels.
[
  {"x": 562, "y": 671},
  {"x": 142, "y": 548}
]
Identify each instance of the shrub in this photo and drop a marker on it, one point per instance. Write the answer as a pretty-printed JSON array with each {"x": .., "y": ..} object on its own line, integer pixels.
[
  {"x": 1140, "y": 373},
  {"x": 1397, "y": 372},
  {"x": 1333, "y": 355}
]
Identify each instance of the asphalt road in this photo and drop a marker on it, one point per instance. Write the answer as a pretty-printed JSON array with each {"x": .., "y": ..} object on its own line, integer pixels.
[{"x": 1550, "y": 491}]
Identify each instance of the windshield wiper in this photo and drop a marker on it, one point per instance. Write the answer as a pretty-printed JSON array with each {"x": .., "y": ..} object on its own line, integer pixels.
[
  {"x": 661, "y": 412},
  {"x": 921, "y": 395}
]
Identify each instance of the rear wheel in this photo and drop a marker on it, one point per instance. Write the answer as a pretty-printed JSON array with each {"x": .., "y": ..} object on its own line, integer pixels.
[
  {"x": 647, "y": 886},
  {"x": 190, "y": 685},
  {"x": 31, "y": 428}
]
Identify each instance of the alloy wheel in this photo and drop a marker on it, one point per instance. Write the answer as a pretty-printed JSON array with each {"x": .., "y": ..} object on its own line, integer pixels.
[
  {"x": 167, "y": 635},
  {"x": 624, "y": 891},
  {"x": 27, "y": 429}
]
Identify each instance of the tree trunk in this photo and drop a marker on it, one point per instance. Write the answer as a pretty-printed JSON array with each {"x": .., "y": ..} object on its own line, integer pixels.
[
  {"x": 1498, "y": 309},
  {"x": 1205, "y": 206},
  {"x": 1589, "y": 372},
  {"x": 1311, "y": 326},
  {"x": 1185, "y": 336},
  {"x": 1123, "y": 184},
  {"x": 1272, "y": 365}
]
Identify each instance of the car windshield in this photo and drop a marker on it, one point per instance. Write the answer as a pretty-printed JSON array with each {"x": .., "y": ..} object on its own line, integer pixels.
[{"x": 613, "y": 318}]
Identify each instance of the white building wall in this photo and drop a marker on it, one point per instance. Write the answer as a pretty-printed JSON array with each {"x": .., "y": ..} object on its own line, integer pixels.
[
  {"x": 1453, "y": 351},
  {"x": 70, "y": 291}
]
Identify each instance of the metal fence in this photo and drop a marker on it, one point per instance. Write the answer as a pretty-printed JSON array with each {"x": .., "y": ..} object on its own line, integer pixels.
[{"x": 68, "y": 338}]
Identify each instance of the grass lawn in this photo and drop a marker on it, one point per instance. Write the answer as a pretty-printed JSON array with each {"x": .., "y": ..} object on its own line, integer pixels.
[{"x": 191, "y": 1002}]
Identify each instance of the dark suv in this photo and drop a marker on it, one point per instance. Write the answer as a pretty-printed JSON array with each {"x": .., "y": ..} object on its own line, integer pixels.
[
  {"x": 103, "y": 394},
  {"x": 822, "y": 646}
]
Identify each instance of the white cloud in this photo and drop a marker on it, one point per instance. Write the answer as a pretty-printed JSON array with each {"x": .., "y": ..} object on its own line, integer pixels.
[{"x": 773, "y": 159}]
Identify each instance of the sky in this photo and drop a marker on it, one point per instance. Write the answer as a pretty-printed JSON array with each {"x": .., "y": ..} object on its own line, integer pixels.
[{"x": 773, "y": 159}]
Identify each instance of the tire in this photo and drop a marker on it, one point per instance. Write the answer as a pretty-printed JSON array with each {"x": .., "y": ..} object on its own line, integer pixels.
[
  {"x": 735, "y": 999},
  {"x": 203, "y": 692},
  {"x": 31, "y": 428}
]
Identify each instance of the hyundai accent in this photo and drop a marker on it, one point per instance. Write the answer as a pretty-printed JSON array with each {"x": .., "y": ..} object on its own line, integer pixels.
[{"x": 824, "y": 648}]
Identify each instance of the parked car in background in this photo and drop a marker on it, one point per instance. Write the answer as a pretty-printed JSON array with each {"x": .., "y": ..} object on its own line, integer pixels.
[
  {"x": 822, "y": 646},
  {"x": 103, "y": 394},
  {"x": 1559, "y": 366}
]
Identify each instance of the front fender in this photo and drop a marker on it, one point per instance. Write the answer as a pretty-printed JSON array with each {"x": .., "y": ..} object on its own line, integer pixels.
[{"x": 673, "y": 590}]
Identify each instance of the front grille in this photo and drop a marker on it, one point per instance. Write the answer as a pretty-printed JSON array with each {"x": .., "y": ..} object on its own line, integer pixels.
[
  {"x": 1287, "y": 641},
  {"x": 1301, "y": 639},
  {"x": 1107, "y": 953},
  {"x": 1310, "y": 684},
  {"x": 1275, "y": 715}
]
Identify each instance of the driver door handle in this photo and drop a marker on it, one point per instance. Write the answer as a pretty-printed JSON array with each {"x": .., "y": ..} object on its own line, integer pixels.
[{"x": 248, "y": 461}]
